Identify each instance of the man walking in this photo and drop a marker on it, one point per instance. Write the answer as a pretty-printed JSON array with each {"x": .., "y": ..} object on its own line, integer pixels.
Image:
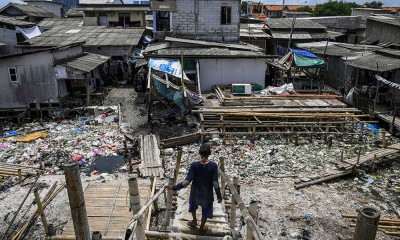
[{"x": 204, "y": 176}]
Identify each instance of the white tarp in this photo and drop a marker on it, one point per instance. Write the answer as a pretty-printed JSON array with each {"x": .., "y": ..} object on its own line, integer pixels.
[
  {"x": 170, "y": 66},
  {"x": 391, "y": 84},
  {"x": 284, "y": 89},
  {"x": 29, "y": 32},
  {"x": 349, "y": 97}
]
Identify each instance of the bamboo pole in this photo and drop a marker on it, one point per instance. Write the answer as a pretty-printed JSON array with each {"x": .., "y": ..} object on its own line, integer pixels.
[
  {"x": 41, "y": 212},
  {"x": 222, "y": 167},
  {"x": 245, "y": 213},
  {"x": 232, "y": 221},
  {"x": 168, "y": 204},
  {"x": 253, "y": 209},
  {"x": 177, "y": 166},
  {"x": 135, "y": 206},
  {"x": 77, "y": 201},
  {"x": 153, "y": 189}
]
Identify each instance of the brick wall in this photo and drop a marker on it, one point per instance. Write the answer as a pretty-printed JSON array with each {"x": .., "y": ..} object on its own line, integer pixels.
[{"x": 201, "y": 19}]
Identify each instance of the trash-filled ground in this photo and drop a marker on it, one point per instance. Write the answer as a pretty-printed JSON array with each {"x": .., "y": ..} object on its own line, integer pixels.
[{"x": 267, "y": 169}]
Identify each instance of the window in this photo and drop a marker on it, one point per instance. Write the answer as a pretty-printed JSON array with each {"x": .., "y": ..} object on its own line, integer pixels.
[
  {"x": 226, "y": 15},
  {"x": 12, "y": 73}
]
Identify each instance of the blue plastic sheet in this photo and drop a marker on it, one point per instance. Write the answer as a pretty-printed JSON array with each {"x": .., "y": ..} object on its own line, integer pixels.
[
  {"x": 170, "y": 94},
  {"x": 371, "y": 127},
  {"x": 304, "y": 53}
]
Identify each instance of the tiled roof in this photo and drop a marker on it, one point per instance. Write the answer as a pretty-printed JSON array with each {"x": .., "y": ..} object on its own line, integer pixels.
[
  {"x": 85, "y": 62},
  {"x": 274, "y": 7},
  {"x": 392, "y": 9},
  {"x": 92, "y": 35},
  {"x": 29, "y": 10}
]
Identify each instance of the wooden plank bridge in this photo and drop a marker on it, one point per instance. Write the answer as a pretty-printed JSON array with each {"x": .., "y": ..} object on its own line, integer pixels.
[{"x": 346, "y": 167}]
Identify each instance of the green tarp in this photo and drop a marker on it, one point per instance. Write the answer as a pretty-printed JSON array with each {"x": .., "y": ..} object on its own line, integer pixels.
[{"x": 307, "y": 62}]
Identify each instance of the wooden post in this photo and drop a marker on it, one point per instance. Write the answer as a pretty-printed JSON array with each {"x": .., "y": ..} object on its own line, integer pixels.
[
  {"x": 96, "y": 235},
  {"x": 222, "y": 166},
  {"x": 20, "y": 176},
  {"x": 177, "y": 165},
  {"x": 87, "y": 90},
  {"x": 41, "y": 212},
  {"x": 362, "y": 132},
  {"x": 330, "y": 141},
  {"x": 296, "y": 140},
  {"x": 125, "y": 146},
  {"x": 341, "y": 156},
  {"x": 168, "y": 204},
  {"x": 135, "y": 206},
  {"x": 232, "y": 222},
  {"x": 392, "y": 126},
  {"x": 41, "y": 164},
  {"x": 367, "y": 224},
  {"x": 253, "y": 208},
  {"x": 383, "y": 139},
  {"x": 153, "y": 181},
  {"x": 359, "y": 154},
  {"x": 130, "y": 163},
  {"x": 76, "y": 201},
  {"x": 374, "y": 163}
]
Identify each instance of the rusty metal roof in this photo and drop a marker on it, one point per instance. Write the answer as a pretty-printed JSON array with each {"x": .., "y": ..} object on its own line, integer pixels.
[
  {"x": 286, "y": 23},
  {"x": 380, "y": 61},
  {"x": 29, "y": 10},
  {"x": 208, "y": 52}
]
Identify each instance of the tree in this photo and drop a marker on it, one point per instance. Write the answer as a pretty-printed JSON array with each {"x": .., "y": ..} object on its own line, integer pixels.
[
  {"x": 244, "y": 7},
  {"x": 335, "y": 8},
  {"x": 373, "y": 4},
  {"x": 304, "y": 9}
]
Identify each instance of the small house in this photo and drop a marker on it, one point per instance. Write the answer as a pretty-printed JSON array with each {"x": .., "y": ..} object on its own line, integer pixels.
[{"x": 31, "y": 13}]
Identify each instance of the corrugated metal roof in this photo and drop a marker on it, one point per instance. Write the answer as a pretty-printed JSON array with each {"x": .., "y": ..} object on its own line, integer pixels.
[
  {"x": 333, "y": 34},
  {"x": 295, "y": 35},
  {"x": 15, "y": 22},
  {"x": 96, "y": 1},
  {"x": 73, "y": 12},
  {"x": 53, "y": 22},
  {"x": 156, "y": 46},
  {"x": 86, "y": 62},
  {"x": 113, "y": 7},
  {"x": 29, "y": 10},
  {"x": 253, "y": 30},
  {"x": 286, "y": 23},
  {"x": 392, "y": 20},
  {"x": 377, "y": 61},
  {"x": 207, "y": 52},
  {"x": 239, "y": 46},
  {"x": 93, "y": 35}
]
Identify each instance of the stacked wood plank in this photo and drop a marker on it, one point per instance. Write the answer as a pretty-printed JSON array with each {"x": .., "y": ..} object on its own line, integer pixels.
[
  {"x": 181, "y": 140},
  {"x": 7, "y": 170},
  {"x": 150, "y": 155},
  {"x": 346, "y": 167},
  {"x": 278, "y": 114}
]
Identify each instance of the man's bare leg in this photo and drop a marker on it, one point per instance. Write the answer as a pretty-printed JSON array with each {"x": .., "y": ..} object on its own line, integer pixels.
[
  {"x": 194, "y": 221},
  {"x": 202, "y": 224}
]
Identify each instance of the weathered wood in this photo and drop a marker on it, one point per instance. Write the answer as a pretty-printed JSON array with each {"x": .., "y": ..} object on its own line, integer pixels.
[
  {"x": 245, "y": 213},
  {"x": 253, "y": 208},
  {"x": 153, "y": 189},
  {"x": 168, "y": 204},
  {"x": 232, "y": 221},
  {"x": 177, "y": 165},
  {"x": 222, "y": 167},
  {"x": 41, "y": 212},
  {"x": 76, "y": 201},
  {"x": 135, "y": 207},
  {"x": 367, "y": 224},
  {"x": 169, "y": 235}
]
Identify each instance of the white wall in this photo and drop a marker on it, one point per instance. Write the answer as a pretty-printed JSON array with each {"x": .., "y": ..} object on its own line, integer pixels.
[{"x": 228, "y": 71}]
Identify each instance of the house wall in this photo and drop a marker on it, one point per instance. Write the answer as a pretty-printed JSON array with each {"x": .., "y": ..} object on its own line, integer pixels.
[
  {"x": 90, "y": 21},
  {"x": 8, "y": 37},
  {"x": 382, "y": 31},
  {"x": 109, "y": 51},
  {"x": 36, "y": 80},
  {"x": 51, "y": 6},
  {"x": 228, "y": 71},
  {"x": 339, "y": 75},
  {"x": 113, "y": 17},
  {"x": 202, "y": 19}
]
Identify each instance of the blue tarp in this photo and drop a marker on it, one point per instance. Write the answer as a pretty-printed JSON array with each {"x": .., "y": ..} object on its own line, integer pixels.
[
  {"x": 304, "y": 53},
  {"x": 171, "y": 94},
  {"x": 307, "y": 62},
  {"x": 371, "y": 127}
]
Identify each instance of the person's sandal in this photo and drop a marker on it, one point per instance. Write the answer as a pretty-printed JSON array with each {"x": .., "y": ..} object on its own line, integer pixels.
[
  {"x": 191, "y": 224},
  {"x": 203, "y": 232}
]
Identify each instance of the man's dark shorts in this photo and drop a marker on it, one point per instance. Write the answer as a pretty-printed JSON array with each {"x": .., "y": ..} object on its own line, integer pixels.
[{"x": 206, "y": 212}]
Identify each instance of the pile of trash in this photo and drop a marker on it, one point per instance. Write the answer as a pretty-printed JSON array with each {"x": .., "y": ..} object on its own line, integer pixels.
[
  {"x": 256, "y": 162},
  {"x": 83, "y": 140}
]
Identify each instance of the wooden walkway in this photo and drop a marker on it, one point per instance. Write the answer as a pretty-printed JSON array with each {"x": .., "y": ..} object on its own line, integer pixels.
[
  {"x": 218, "y": 226},
  {"x": 107, "y": 206},
  {"x": 151, "y": 165},
  {"x": 346, "y": 167},
  {"x": 389, "y": 118}
]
